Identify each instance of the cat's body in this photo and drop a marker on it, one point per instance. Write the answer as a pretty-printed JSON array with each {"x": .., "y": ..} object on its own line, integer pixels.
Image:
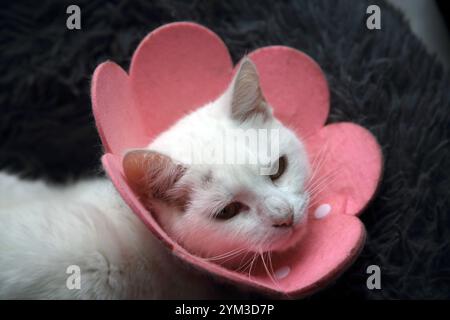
[
  {"x": 46, "y": 229},
  {"x": 212, "y": 209}
]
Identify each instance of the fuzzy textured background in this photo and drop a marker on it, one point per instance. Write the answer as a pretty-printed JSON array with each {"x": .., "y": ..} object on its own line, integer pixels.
[{"x": 383, "y": 80}]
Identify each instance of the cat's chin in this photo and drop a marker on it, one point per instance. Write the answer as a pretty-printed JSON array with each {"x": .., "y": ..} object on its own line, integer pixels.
[
  {"x": 285, "y": 242},
  {"x": 239, "y": 262}
]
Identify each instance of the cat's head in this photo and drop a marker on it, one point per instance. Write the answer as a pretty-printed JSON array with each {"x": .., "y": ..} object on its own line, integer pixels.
[{"x": 226, "y": 177}]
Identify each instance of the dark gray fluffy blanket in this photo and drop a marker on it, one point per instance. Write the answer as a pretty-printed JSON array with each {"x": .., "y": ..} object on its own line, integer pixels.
[{"x": 382, "y": 79}]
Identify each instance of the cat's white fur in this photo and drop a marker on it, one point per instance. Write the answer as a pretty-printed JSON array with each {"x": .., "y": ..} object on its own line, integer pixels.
[{"x": 45, "y": 229}]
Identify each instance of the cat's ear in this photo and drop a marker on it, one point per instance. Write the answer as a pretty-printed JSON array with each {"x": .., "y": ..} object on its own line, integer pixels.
[
  {"x": 247, "y": 99},
  {"x": 153, "y": 175}
]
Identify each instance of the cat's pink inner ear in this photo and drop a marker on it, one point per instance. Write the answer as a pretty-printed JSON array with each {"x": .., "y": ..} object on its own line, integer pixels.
[
  {"x": 135, "y": 164},
  {"x": 247, "y": 98},
  {"x": 152, "y": 174}
]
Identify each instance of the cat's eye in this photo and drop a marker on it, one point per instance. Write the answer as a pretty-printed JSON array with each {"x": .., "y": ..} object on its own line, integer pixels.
[
  {"x": 231, "y": 210},
  {"x": 282, "y": 164}
]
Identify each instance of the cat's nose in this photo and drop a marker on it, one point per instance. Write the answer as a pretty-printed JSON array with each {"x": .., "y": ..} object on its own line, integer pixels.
[
  {"x": 280, "y": 212},
  {"x": 286, "y": 222}
]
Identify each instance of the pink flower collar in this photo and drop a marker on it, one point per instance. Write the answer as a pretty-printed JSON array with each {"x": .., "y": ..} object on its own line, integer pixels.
[{"x": 189, "y": 63}]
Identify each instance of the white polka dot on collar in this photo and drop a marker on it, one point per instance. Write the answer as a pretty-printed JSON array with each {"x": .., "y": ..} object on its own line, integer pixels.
[
  {"x": 282, "y": 272},
  {"x": 322, "y": 211}
]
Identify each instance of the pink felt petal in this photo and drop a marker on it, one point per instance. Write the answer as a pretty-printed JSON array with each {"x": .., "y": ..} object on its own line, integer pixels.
[
  {"x": 295, "y": 86},
  {"x": 347, "y": 161},
  {"x": 117, "y": 120},
  {"x": 176, "y": 69},
  {"x": 329, "y": 247}
]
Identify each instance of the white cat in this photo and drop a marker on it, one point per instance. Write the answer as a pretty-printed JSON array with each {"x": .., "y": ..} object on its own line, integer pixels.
[{"x": 212, "y": 209}]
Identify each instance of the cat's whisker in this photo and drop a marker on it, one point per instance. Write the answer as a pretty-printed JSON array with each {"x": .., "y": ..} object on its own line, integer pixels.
[
  {"x": 267, "y": 269},
  {"x": 322, "y": 186},
  {"x": 319, "y": 186},
  {"x": 225, "y": 256},
  {"x": 313, "y": 192},
  {"x": 229, "y": 254},
  {"x": 245, "y": 265},
  {"x": 320, "y": 181},
  {"x": 269, "y": 258},
  {"x": 255, "y": 256},
  {"x": 319, "y": 156},
  {"x": 316, "y": 196},
  {"x": 316, "y": 170},
  {"x": 311, "y": 183},
  {"x": 318, "y": 162}
]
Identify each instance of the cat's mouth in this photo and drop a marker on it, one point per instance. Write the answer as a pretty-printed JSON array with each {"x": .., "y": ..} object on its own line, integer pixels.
[{"x": 284, "y": 239}]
